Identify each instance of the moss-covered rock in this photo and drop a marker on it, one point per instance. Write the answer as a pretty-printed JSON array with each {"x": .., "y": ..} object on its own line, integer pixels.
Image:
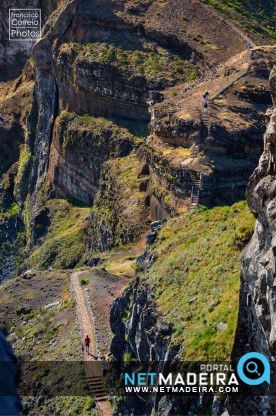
[{"x": 119, "y": 214}]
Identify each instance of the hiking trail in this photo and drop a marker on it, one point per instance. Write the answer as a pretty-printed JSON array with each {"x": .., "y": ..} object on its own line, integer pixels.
[{"x": 93, "y": 372}]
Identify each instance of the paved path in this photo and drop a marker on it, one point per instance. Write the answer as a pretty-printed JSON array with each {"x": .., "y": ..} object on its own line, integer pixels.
[{"x": 93, "y": 371}]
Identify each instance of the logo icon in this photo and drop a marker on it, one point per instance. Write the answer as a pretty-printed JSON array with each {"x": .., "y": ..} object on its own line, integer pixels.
[
  {"x": 24, "y": 24},
  {"x": 254, "y": 369}
]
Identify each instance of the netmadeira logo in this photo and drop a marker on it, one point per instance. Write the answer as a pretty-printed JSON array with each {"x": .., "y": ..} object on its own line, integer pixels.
[{"x": 254, "y": 369}]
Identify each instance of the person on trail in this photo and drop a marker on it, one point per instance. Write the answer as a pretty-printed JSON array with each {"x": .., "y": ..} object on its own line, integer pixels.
[
  {"x": 248, "y": 45},
  {"x": 205, "y": 98},
  {"x": 87, "y": 343},
  {"x": 205, "y": 107}
]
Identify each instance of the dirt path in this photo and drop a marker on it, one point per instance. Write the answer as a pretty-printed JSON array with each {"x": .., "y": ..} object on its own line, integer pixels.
[{"x": 93, "y": 368}]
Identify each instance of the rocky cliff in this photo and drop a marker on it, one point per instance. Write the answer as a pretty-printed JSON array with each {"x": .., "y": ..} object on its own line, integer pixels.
[
  {"x": 257, "y": 327},
  {"x": 79, "y": 148},
  {"x": 13, "y": 55},
  {"x": 141, "y": 336},
  {"x": 137, "y": 326},
  {"x": 105, "y": 59},
  {"x": 214, "y": 152},
  {"x": 75, "y": 126},
  {"x": 119, "y": 214},
  {"x": 9, "y": 403}
]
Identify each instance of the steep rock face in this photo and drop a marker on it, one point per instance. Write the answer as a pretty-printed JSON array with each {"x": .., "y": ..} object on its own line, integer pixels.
[
  {"x": 219, "y": 149},
  {"x": 15, "y": 104},
  {"x": 86, "y": 47},
  {"x": 140, "y": 334},
  {"x": 13, "y": 54},
  {"x": 10, "y": 403},
  {"x": 119, "y": 214},
  {"x": 44, "y": 106},
  {"x": 257, "y": 319},
  {"x": 99, "y": 89},
  {"x": 79, "y": 148}
]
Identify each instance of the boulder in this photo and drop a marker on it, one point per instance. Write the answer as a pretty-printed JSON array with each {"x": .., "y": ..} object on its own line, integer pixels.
[
  {"x": 28, "y": 274},
  {"x": 222, "y": 326}
]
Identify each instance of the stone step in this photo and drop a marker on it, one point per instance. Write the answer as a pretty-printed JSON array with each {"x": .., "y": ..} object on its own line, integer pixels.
[
  {"x": 97, "y": 391},
  {"x": 97, "y": 383},
  {"x": 102, "y": 399}
]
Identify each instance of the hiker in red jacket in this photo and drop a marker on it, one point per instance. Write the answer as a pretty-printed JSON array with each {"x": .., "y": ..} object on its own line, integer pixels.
[{"x": 87, "y": 341}]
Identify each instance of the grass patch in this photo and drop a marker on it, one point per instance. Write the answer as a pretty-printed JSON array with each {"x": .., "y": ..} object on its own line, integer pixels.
[
  {"x": 256, "y": 16},
  {"x": 46, "y": 335},
  {"x": 155, "y": 62},
  {"x": 198, "y": 263},
  {"x": 66, "y": 241}
]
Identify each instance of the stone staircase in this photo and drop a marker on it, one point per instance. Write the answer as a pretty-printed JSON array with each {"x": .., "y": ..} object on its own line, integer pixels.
[
  {"x": 196, "y": 179},
  {"x": 205, "y": 122},
  {"x": 93, "y": 368},
  {"x": 195, "y": 150},
  {"x": 96, "y": 385}
]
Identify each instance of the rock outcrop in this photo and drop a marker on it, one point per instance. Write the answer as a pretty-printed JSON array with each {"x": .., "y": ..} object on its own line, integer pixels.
[
  {"x": 119, "y": 215},
  {"x": 13, "y": 54},
  {"x": 141, "y": 336},
  {"x": 257, "y": 315},
  {"x": 79, "y": 148},
  {"x": 9, "y": 403},
  {"x": 221, "y": 148}
]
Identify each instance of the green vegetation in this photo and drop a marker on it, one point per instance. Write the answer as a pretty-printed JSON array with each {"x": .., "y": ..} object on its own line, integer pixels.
[
  {"x": 5, "y": 214},
  {"x": 84, "y": 282},
  {"x": 65, "y": 244},
  {"x": 46, "y": 335},
  {"x": 256, "y": 16},
  {"x": 125, "y": 315},
  {"x": 104, "y": 132},
  {"x": 127, "y": 357},
  {"x": 23, "y": 171},
  {"x": 23, "y": 160},
  {"x": 119, "y": 210},
  {"x": 196, "y": 277},
  {"x": 154, "y": 62}
]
